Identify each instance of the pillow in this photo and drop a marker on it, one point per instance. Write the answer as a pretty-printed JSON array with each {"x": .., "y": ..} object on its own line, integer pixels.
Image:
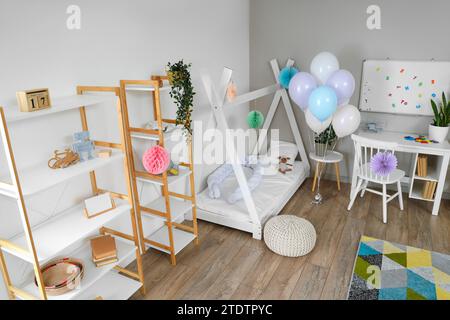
[{"x": 286, "y": 149}]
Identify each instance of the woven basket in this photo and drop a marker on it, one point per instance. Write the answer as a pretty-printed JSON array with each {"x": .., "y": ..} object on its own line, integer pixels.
[
  {"x": 62, "y": 275},
  {"x": 289, "y": 236}
]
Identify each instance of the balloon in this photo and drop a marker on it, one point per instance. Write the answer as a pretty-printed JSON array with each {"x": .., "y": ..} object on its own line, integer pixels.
[
  {"x": 346, "y": 120},
  {"x": 300, "y": 88},
  {"x": 316, "y": 125},
  {"x": 286, "y": 75},
  {"x": 323, "y": 66},
  {"x": 343, "y": 84},
  {"x": 322, "y": 102}
]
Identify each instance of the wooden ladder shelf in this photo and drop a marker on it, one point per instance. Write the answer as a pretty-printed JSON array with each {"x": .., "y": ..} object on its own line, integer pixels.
[
  {"x": 34, "y": 245},
  {"x": 173, "y": 236}
]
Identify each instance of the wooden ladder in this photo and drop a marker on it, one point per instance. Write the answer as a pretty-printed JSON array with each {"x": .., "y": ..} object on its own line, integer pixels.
[{"x": 173, "y": 228}]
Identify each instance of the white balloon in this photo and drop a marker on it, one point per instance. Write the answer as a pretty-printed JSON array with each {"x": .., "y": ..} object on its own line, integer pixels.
[
  {"x": 346, "y": 120},
  {"x": 323, "y": 66},
  {"x": 315, "y": 124}
]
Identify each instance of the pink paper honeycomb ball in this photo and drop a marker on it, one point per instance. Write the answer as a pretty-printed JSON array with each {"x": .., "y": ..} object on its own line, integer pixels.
[{"x": 156, "y": 160}]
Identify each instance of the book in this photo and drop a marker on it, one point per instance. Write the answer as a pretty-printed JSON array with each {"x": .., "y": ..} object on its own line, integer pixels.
[
  {"x": 105, "y": 262},
  {"x": 103, "y": 247}
]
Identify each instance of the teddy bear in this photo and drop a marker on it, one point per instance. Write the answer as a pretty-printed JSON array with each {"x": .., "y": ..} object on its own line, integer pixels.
[{"x": 283, "y": 165}]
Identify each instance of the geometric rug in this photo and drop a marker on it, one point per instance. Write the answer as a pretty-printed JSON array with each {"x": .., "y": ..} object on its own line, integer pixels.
[{"x": 389, "y": 271}]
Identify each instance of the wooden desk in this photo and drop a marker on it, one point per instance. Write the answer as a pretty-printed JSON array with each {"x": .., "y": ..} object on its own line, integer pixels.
[{"x": 440, "y": 151}]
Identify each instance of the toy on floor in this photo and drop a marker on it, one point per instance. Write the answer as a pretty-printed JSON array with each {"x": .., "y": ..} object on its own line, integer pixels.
[
  {"x": 420, "y": 139},
  {"x": 283, "y": 165},
  {"x": 83, "y": 146}
]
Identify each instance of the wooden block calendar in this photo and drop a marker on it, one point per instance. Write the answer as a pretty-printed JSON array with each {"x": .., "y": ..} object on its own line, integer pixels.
[{"x": 33, "y": 100}]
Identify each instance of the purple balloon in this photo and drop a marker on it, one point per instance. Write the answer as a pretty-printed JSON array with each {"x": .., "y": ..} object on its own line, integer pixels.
[
  {"x": 300, "y": 88},
  {"x": 343, "y": 84}
]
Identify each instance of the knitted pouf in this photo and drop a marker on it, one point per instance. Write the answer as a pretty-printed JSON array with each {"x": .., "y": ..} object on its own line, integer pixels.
[{"x": 289, "y": 236}]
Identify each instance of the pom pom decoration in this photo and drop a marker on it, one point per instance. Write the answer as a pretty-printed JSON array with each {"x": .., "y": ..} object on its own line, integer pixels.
[
  {"x": 383, "y": 163},
  {"x": 231, "y": 91},
  {"x": 285, "y": 76},
  {"x": 156, "y": 160},
  {"x": 255, "y": 119}
]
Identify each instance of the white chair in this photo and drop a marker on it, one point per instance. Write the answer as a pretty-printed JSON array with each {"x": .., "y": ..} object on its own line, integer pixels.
[{"x": 364, "y": 150}]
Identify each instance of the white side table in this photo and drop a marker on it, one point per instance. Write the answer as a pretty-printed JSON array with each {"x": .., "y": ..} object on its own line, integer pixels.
[{"x": 321, "y": 162}]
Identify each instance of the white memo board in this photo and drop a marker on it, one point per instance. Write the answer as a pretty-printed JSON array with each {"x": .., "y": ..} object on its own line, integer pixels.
[{"x": 403, "y": 87}]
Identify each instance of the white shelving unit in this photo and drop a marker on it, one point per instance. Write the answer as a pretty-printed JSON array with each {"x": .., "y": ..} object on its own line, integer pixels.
[
  {"x": 417, "y": 183},
  {"x": 53, "y": 238},
  {"x": 160, "y": 222}
]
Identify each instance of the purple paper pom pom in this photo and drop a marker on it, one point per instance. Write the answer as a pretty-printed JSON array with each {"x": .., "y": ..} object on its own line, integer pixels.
[{"x": 383, "y": 163}]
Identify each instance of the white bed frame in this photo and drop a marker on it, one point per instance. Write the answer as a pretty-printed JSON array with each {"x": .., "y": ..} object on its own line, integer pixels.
[{"x": 217, "y": 101}]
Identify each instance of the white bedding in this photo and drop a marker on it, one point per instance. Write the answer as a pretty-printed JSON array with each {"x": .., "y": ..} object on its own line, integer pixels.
[{"x": 269, "y": 197}]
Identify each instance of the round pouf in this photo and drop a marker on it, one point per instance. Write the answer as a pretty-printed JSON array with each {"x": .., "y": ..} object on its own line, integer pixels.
[{"x": 289, "y": 236}]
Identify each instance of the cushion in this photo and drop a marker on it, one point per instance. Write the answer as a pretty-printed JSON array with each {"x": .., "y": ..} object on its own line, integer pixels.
[{"x": 289, "y": 235}]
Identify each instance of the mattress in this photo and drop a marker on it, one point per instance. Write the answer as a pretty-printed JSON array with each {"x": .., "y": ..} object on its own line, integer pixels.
[{"x": 269, "y": 197}]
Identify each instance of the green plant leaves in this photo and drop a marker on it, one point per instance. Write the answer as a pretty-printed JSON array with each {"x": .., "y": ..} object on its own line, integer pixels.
[
  {"x": 441, "y": 112},
  {"x": 182, "y": 92}
]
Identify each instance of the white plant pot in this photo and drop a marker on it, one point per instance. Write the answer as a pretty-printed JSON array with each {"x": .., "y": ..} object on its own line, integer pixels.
[{"x": 438, "y": 134}]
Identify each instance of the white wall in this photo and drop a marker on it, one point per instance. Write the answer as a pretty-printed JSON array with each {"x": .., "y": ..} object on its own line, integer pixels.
[
  {"x": 410, "y": 30},
  {"x": 117, "y": 40}
]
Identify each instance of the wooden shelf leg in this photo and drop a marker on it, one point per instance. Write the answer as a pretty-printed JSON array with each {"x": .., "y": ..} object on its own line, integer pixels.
[{"x": 6, "y": 277}]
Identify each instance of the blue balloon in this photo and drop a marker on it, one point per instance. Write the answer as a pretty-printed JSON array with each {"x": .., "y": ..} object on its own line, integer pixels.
[
  {"x": 286, "y": 74},
  {"x": 323, "y": 102}
]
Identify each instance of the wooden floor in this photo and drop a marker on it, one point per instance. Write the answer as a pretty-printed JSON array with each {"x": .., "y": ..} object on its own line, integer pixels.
[{"x": 229, "y": 264}]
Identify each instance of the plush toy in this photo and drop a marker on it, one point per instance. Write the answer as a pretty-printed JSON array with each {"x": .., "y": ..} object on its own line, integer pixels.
[
  {"x": 156, "y": 160},
  {"x": 83, "y": 146},
  {"x": 283, "y": 165}
]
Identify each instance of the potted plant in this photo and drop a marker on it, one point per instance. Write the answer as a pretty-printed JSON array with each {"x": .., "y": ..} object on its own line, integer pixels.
[
  {"x": 182, "y": 92},
  {"x": 324, "y": 140},
  {"x": 438, "y": 130}
]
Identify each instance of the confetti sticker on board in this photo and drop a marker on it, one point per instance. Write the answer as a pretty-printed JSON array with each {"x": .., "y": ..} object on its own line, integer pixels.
[
  {"x": 407, "y": 88},
  {"x": 420, "y": 84},
  {"x": 433, "y": 81},
  {"x": 378, "y": 69},
  {"x": 433, "y": 95},
  {"x": 393, "y": 105},
  {"x": 387, "y": 77},
  {"x": 418, "y": 106},
  {"x": 390, "y": 94},
  {"x": 399, "y": 87},
  {"x": 420, "y": 95},
  {"x": 402, "y": 70},
  {"x": 415, "y": 77}
]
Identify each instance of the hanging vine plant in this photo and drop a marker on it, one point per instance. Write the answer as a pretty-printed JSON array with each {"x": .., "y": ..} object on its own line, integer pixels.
[{"x": 182, "y": 92}]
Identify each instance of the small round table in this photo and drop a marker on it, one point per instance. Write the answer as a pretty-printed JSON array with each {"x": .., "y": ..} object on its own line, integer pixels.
[{"x": 321, "y": 162}]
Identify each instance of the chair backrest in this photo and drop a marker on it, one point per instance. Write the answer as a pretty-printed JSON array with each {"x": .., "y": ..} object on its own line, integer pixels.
[{"x": 365, "y": 149}]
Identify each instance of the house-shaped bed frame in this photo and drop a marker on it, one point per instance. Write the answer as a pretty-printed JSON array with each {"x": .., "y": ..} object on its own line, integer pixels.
[{"x": 217, "y": 100}]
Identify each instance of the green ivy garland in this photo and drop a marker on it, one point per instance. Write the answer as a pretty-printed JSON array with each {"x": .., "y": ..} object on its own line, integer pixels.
[{"x": 182, "y": 92}]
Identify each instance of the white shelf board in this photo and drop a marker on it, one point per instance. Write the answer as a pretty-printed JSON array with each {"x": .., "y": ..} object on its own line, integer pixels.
[
  {"x": 41, "y": 177},
  {"x": 56, "y": 234},
  {"x": 145, "y": 88},
  {"x": 417, "y": 191},
  {"x": 181, "y": 238},
  {"x": 145, "y": 136},
  {"x": 112, "y": 286},
  {"x": 183, "y": 172},
  {"x": 92, "y": 274},
  {"x": 61, "y": 104},
  {"x": 178, "y": 208}
]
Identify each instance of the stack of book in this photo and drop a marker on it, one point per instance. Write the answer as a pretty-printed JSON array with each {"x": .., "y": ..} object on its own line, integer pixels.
[
  {"x": 104, "y": 250},
  {"x": 428, "y": 189},
  {"x": 422, "y": 165}
]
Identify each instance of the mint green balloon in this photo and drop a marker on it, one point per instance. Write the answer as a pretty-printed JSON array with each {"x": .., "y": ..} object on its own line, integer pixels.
[{"x": 255, "y": 119}]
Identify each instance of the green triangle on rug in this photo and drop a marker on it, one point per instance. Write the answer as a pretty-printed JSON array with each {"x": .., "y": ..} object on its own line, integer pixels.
[{"x": 400, "y": 258}]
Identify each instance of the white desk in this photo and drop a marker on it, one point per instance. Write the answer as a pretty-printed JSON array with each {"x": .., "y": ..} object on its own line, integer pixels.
[{"x": 440, "y": 150}]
